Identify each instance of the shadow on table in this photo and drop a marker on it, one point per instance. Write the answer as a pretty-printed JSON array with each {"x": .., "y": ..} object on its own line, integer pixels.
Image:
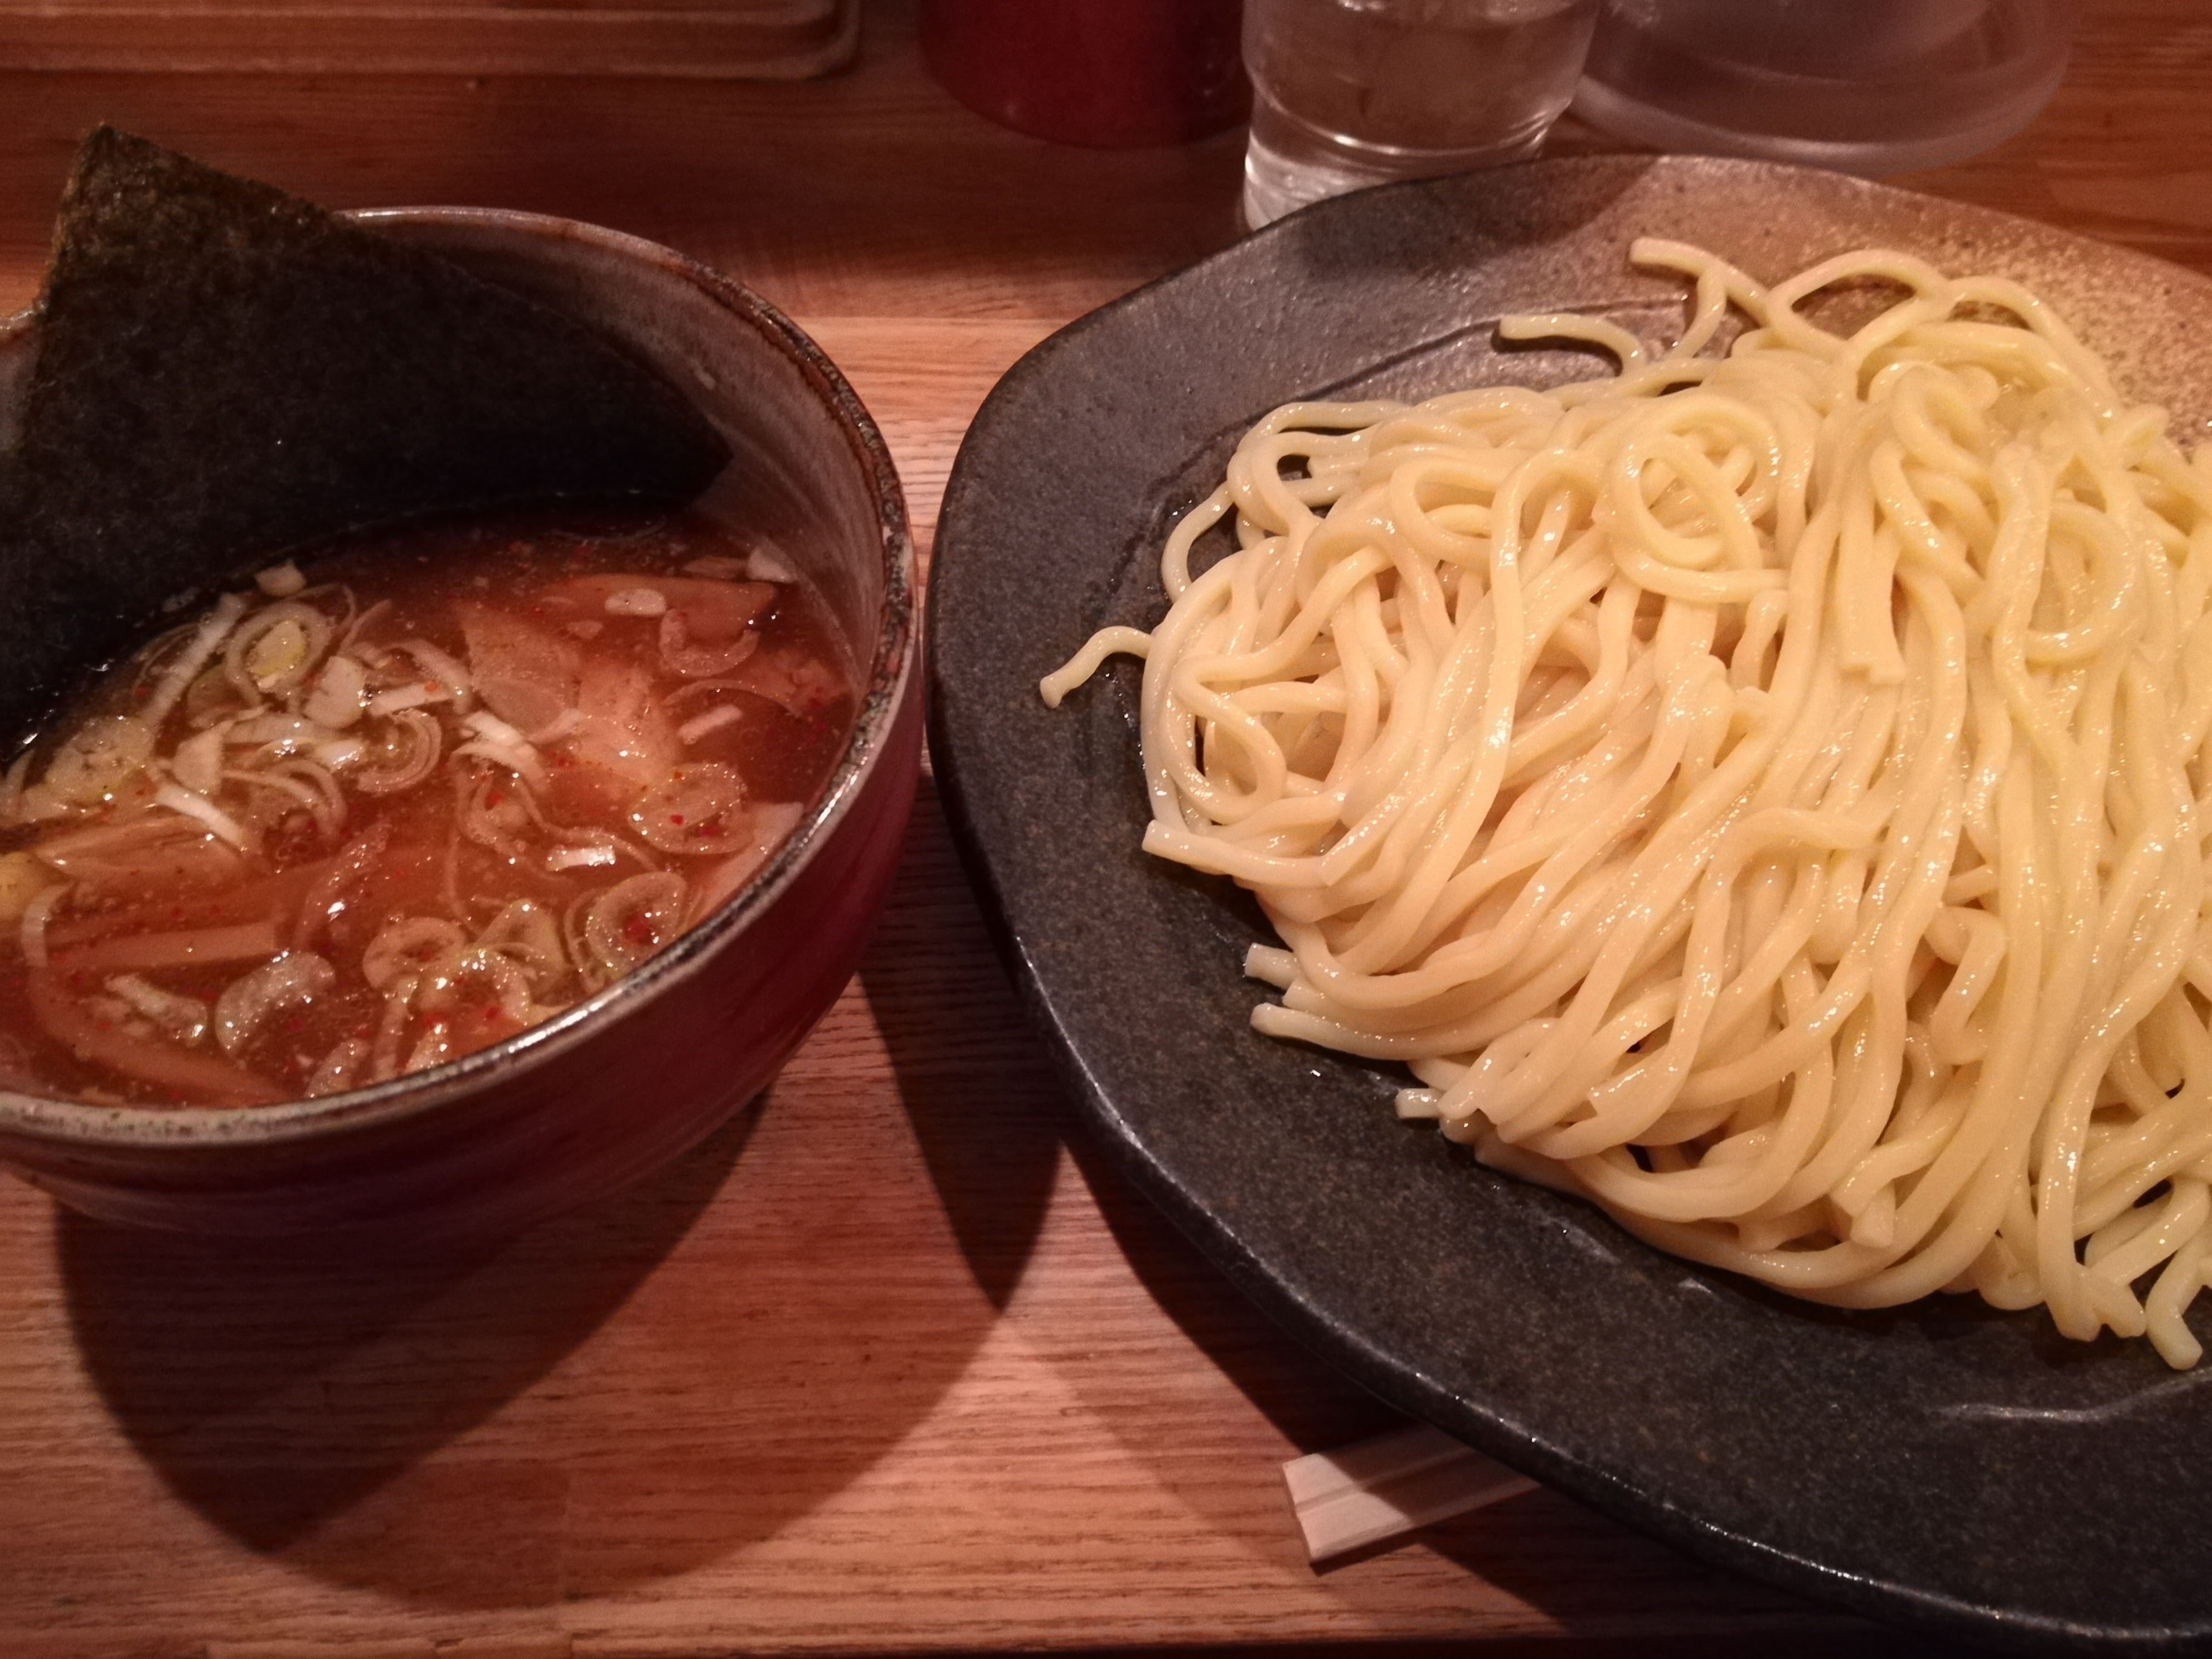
[
  {"x": 1774, "y": 1642},
  {"x": 1599, "y": 1580},
  {"x": 274, "y": 1389},
  {"x": 626, "y": 1393},
  {"x": 274, "y": 1392},
  {"x": 987, "y": 1108}
]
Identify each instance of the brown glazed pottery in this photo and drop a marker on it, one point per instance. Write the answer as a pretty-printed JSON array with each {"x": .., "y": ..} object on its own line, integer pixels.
[{"x": 632, "y": 1076}]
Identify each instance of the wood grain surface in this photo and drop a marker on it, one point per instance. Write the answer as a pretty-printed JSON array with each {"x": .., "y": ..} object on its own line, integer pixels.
[
  {"x": 771, "y": 39},
  {"x": 895, "y": 1364}
]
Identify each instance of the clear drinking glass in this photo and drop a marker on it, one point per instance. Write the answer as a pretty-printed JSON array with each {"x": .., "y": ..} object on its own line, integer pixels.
[
  {"x": 1862, "y": 85},
  {"x": 1349, "y": 93}
]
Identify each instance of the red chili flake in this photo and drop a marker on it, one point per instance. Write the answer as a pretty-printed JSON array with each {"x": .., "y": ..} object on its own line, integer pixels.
[
  {"x": 676, "y": 817},
  {"x": 637, "y": 932},
  {"x": 493, "y": 798}
]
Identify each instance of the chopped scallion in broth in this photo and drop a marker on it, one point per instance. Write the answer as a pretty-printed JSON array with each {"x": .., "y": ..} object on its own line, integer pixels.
[{"x": 417, "y": 796}]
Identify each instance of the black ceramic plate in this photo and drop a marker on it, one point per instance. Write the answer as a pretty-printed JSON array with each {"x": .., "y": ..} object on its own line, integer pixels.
[{"x": 1943, "y": 1465}]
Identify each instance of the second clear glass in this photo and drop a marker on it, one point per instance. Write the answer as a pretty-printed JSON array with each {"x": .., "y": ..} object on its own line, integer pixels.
[{"x": 1863, "y": 86}]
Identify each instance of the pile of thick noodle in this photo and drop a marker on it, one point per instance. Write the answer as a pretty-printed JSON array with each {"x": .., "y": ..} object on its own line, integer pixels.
[{"x": 1762, "y": 793}]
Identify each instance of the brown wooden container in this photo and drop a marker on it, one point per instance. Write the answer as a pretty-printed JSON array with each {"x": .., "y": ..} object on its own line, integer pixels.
[{"x": 752, "y": 39}]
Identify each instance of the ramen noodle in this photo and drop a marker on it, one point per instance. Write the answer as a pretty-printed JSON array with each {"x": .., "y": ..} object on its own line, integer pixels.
[
  {"x": 1762, "y": 791},
  {"x": 370, "y": 817}
]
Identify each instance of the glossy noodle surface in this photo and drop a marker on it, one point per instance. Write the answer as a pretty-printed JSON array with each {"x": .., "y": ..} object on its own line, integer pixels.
[
  {"x": 361, "y": 820},
  {"x": 1763, "y": 791}
]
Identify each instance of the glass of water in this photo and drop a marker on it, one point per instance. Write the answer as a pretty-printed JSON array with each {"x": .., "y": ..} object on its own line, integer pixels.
[{"x": 1349, "y": 93}]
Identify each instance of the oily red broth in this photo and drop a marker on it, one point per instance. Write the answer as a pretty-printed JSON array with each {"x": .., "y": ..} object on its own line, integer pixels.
[{"x": 412, "y": 800}]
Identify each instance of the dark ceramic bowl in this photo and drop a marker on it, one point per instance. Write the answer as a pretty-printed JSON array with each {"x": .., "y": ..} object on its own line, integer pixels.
[{"x": 627, "y": 1079}]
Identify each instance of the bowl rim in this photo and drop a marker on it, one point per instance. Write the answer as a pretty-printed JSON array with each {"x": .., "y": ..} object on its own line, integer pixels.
[{"x": 891, "y": 673}]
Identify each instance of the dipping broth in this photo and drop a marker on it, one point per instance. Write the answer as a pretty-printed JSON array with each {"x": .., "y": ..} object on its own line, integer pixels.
[{"x": 373, "y": 817}]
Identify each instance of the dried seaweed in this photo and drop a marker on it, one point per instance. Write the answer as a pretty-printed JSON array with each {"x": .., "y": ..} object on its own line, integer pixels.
[{"x": 223, "y": 371}]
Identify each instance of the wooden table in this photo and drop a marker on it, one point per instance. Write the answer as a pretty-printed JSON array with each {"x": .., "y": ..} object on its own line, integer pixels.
[{"x": 894, "y": 1363}]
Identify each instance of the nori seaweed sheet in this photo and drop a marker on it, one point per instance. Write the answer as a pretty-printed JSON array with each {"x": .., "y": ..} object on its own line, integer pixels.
[{"x": 224, "y": 372}]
